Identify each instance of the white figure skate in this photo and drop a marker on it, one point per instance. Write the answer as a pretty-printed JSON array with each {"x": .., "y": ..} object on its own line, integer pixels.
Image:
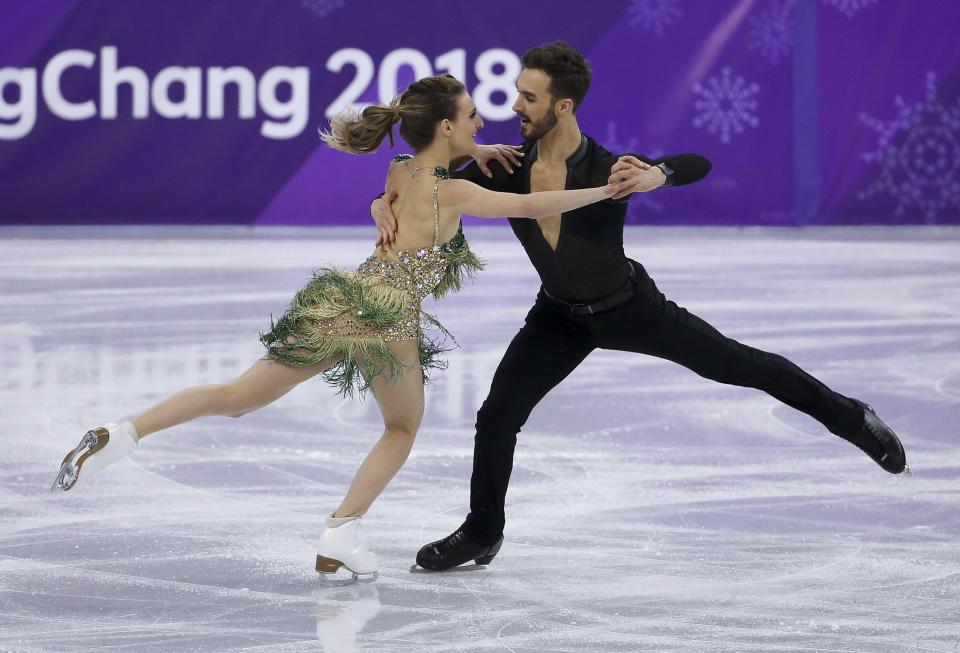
[
  {"x": 97, "y": 449},
  {"x": 340, "y": 546}
]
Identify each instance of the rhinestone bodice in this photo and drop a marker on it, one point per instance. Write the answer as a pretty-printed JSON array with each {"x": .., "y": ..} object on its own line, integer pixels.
[
  {"x": 419, "y": 271},
  {"x": 350, "y": 316}
]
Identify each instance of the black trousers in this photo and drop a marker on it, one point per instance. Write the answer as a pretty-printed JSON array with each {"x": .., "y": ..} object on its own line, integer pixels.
[{"x": 552, "y": 343}]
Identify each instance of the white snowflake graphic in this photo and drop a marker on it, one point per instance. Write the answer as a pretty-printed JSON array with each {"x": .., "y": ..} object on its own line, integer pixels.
[
  {"x": 727, "y": 104},
  {"x": 322, "y": 8},
  {"x": 771, "y": 32},
  {"x": 654, "y": 15},
  {"x": 918, "y": 153},
  {"x": 849, "y": 7},
  {"x": 639, "y": 201}
]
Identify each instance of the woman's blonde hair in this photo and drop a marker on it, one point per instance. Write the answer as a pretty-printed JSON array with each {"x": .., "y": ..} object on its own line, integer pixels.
[{"x": 425, "y": 103}]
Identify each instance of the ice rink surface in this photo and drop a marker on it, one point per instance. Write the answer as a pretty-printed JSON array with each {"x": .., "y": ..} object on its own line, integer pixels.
[{"x": 649, "y": 510}]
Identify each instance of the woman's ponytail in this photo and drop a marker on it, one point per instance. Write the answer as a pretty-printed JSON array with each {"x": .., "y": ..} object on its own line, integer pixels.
[
  {"x": 362, "y": 133},
  {"x": 422, "y": 106}
]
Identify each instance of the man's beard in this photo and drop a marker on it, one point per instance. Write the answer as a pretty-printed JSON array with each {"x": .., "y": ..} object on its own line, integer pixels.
[{"x": 541, "y": 127}]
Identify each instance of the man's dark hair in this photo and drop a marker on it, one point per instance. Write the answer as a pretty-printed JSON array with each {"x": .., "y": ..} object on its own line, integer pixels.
[{"x": 569, "y": 72}]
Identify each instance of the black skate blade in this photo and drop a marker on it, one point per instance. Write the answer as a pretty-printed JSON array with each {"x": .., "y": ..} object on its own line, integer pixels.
[{"x": 417, "y": 569}]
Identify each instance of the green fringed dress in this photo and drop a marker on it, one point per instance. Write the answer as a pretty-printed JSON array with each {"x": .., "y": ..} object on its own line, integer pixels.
[{"x": 351, "y": 315}]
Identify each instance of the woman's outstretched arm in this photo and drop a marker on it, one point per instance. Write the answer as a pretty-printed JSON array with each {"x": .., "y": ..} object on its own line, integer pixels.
[{"x": 467, "y": 197}]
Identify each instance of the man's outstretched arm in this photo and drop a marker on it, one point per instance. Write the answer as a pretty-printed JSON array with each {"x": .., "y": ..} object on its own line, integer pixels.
[
  {"x": 679, "y": 169},
  {"x": 649, "y": 174}
]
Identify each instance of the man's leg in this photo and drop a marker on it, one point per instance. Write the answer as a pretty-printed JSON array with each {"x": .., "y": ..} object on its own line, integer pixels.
[
  {"x": 540, "y": 356},
  {"x": 658, "y": 327},
  {"x": 686, "y": 339}
]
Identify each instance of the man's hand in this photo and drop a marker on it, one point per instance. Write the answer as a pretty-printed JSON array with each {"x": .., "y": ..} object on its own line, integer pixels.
[
  {"x": 642, "y": 176},
  {"x": 505, "y": 154},
  {"x": 385, "y": 219}
]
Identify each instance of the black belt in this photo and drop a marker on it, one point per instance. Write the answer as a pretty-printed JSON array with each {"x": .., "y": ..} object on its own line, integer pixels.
[{"x": 622, "y": 296}]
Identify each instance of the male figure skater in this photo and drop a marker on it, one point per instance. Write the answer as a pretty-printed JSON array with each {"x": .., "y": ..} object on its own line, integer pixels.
[{"x": 594, "y": 296}]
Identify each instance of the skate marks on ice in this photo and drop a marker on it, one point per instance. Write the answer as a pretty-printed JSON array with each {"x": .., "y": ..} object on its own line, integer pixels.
[{"x": 649, "y": 510}]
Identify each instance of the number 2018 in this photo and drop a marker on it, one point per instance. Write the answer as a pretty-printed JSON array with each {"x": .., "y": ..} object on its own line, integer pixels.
[{"x": 453, "y": 62}]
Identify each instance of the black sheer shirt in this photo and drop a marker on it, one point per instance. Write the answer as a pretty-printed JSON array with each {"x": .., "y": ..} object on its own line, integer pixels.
[{"x": 589, "y": 261}]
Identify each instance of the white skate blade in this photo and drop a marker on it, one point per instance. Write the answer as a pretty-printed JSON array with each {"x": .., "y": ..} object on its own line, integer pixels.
[
  {"x": 65, "y": 479},
  {"x": 70, "y": 468},
  {"x": 334, "y": 572},
  {"x": 344, "y": 576},
  {"x": 98, "y": 448}
]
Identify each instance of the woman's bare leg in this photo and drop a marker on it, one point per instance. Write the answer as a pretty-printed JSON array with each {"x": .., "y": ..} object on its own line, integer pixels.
[
  {"x": 402, "y": 407},
  {"x": 263, "y": 383}
]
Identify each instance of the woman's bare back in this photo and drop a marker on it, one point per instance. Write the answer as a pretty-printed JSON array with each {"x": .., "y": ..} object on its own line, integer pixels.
[{"x": 413, "y": 208}]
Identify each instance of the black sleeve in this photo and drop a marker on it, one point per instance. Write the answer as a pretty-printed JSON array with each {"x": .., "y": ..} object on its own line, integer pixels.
[
  {"x": 472, "y": 173},
  {"x": 687, "y": 168}
]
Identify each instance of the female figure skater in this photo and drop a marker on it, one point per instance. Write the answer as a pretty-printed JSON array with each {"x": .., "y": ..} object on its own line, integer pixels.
[{"x": 363, "y": 329}]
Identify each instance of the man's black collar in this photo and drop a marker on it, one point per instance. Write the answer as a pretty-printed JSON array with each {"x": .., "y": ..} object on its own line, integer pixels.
[{"x": 572, "y": 160}]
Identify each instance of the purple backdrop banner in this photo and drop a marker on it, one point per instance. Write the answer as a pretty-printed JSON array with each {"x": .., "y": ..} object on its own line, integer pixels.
[{"x": 812, "y": 111}]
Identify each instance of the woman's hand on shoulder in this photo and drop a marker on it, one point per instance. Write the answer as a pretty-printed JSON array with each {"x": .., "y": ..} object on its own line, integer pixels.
[{"x": 508, "y": 156}]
